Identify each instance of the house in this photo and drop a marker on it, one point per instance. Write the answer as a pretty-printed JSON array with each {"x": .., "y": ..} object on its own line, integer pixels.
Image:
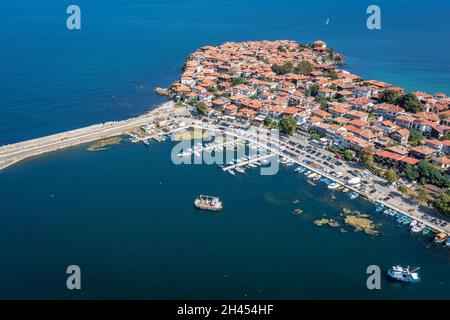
[
  {"x": 387, "y": 111},
  {"x": 442, "y": 162},
  {"x": 401, "y": 135},
  {"x": 421, "y": 152}
]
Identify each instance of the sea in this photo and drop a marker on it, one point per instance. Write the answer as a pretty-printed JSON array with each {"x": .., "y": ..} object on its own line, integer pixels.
[{"x": 125, "y": 215}]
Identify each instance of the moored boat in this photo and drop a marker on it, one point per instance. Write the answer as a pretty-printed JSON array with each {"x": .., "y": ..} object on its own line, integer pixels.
[
  {"x": 379, "y": 208},
  {"x": 354, "y": 195},
  {"x": 426, "y": 230},
  {"x": 440, "y": 238}
]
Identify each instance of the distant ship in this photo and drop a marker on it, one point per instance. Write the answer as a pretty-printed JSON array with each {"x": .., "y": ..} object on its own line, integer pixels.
[
  {"x": 208, "y": 203},
  {"x": 404, "y": 274}
]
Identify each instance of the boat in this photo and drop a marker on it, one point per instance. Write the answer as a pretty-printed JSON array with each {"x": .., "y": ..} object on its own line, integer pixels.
[
  {"x": 413, "y": 223},
  {"x": 354, "y": 195},
  {"x": 231, "y": 172},
  {"x": 440, "y": 238},
  {"x": 208, "y": 203},
  {"x": 333, "y": 186},
  {"x": 298, "y": 169},
  {"x": 447, "y": 243},
  {"x": 401, "y": 219},
  {"x": 426, "y": 230},
  {"x": 317, "y": 177},
  {"x": 404, "y": 274},
  {"x": 240, "y": 170},
  {"x": 346, "y": 190},
  {"x": 379, "y": 208},
  {"x": 387, "y": 211},
  {"x": 418, "y": 227},
  {"x": 307, "y": 173},
  {"x": 312, "y": 175},
  {"x": 393, "y": 213},
  {"x": 407, "y": 221}
]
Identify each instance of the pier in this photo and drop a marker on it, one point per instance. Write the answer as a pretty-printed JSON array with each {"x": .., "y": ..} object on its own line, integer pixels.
[{"x": 247, "y": 162}]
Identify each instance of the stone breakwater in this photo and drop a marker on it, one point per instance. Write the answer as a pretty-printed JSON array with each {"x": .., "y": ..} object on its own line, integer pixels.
[{"x": 13, "y": 153}]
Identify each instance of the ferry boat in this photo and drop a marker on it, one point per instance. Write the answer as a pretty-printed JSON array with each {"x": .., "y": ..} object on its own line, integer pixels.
[
  {"x": 208, "y": 203},
  {"x": 379, "y": 208},
  {"x": 440, "y": 238},
  {"x": 404, "y": 274}
]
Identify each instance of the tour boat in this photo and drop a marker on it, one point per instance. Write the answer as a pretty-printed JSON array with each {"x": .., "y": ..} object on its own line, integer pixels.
[
  {"x": 404, "y": 274},
  {"x": 208, "y": 203}
]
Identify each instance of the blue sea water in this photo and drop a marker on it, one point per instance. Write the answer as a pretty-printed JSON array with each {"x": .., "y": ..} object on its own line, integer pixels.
[
  {"x": 53, "y": 79},
  {"x": 125, "y": 215}
]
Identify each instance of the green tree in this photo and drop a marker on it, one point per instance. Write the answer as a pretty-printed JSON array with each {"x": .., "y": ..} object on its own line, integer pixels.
[
  {"x": 281, "y": 49},
  {"x": 287, "y": 125},
  {"x": 415, "y": 137},
  {"x": 389, "y": 96},
  {"x": 403, "y": 189},
  {"x": 268, "y": 121},
  {"x": 315, "y": 136},
  {"x": 409, "y": 102},
  {"x": 238, "y": 81},
  {"x": 313, "y": 90},
  {"x": 286, "y": 68},
  {"x": 331, "y": 74},
  {"x": 304, "y": 68},
  {"x": 201, "y": 108},
  {"x": 391, "y": 176},
  {"x": 367, "y": 156},
  {"x": 442, "y": 203},
  {"x": 348, "y": 155}
]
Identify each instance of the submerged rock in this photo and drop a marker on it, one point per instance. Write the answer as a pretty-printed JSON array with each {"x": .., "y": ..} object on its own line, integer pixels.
[
  {"x": 361, "y": 224},
  {"x": 331, "y": 222}
]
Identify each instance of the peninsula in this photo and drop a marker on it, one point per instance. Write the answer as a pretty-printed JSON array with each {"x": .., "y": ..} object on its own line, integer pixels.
[{"x": 334, "y": 123}]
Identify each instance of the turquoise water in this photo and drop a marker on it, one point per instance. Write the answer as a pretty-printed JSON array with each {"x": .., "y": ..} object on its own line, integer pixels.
[{"x": 126, "y": 217}]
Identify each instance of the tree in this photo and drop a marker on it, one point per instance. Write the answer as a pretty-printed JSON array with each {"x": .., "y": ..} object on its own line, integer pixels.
[
  {"x": 313, "y": 90},
  {"x": 367, "y": 156},
  {"x": 268, "y": 121},
  {"x": 281, "y": 49},
  {"x": 411, "y": 173},
  {"x": 422, "y": 195},
  {"x": 201, "y": 108},
  {"x": 303, "y": 68},
  {"x": 442, "y": 203},
  {"x": 389, "y": 96},
  {"x": 426, "y": 173},
  {"x": 288, "y": 67},
  {"x": 348, "y": 155},
  {"x": 315, "y": 136},
  {"x": 391, "y": 176},
  {"x": 415, "y": 137},
  {"x": 331, "y": 74},
  {"x": 409, "y": 102},
  {"x": 323, "y": 103},
  {"x": 288, "y": 125},
  {"x": 403, "y": 189},
  {"x": 238, "y": 81}
]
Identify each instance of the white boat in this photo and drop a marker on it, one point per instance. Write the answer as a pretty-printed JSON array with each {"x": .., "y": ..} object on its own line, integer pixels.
[
  {"x": 346, "y": 190},
  {"x": 307, "y": 173},
  {"x": 240, "y": 170},
  {"x": 231, "y": 172},
  {"x": 334, "y": 186},
  {"x": 413, "y": 223},
  {"x": 418, "y": 227},
  {"x": 312, "y": 175}
]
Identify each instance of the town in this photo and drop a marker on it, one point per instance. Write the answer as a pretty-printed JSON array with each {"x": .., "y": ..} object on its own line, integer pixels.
[{"x": 403, "y": 137}]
